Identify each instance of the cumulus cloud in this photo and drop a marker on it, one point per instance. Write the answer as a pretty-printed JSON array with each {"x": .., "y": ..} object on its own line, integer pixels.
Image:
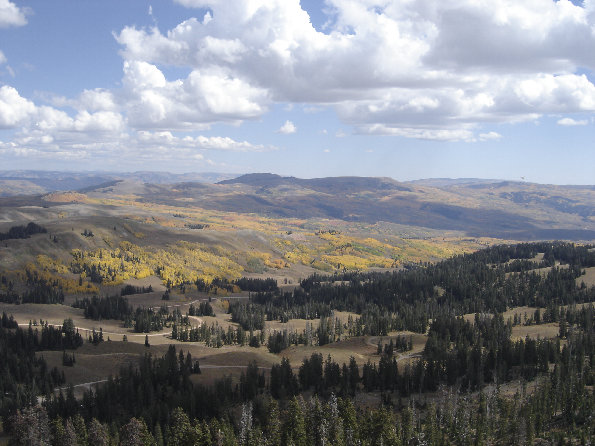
[
  {"x": 97, "y": 131},
  {"x": 421, "y": 69},
  {"x": 14, "y": 109},
  {"x": 569, "y": 122},
  {"x": 11, "y": 15},
  {"x": 96, "y": 100},
  {"x": 288, "y": 128},
  {"x": 204, "y": 97}
]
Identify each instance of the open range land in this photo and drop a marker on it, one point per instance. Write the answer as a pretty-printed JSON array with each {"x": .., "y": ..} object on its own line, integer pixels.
[{"x": 384, "y": 293}]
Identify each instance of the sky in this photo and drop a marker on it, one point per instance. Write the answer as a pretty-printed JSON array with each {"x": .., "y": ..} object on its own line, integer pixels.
[{"x": 406, "y": 89}]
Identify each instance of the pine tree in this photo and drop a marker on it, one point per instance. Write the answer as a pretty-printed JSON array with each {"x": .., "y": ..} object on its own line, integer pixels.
[
  {"x": 182, "y": 433},
  {"x": 294, "y": 430},
  {"x": 31, "y": 427},
  {"x": 80, "y": 429},
  {"x": 135, "y": 433},
  {"x": 349, "y": 419},
  {"x": 273, "y": 428},
  {"x": 98, "y": 434},
  {"x": 335, "y": 424},
  {"x": 58, "y": 432},
  {"x": 70, "y": 435}
]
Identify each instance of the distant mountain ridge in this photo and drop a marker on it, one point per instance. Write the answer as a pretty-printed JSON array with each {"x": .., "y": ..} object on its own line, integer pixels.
[
  {"x": 29, "y": 182},
  {"x": 492, "y": 208},
  {"x": 330, "y": 184}
]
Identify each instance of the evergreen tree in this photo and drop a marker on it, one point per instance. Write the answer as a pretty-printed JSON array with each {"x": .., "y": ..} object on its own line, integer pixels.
[
  {"x": 98, "y": 434},
  {"x": 181, "y": 431},
  {"x": 294, "y": 430},
  {"x": 135, "y": 433},
  {"x": 31, "y": 427}
]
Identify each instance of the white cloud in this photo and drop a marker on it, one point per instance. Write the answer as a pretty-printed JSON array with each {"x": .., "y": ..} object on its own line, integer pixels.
[
  {"x": 167, "y": 139},
  {"x": 204, "y": 97},
  {"x": 420, "y": 133},
  {"x": 102, "y": 121},
  {"x": 418, "y": 69},
  {"x": 14, "y": 109},
  {"x": 96, "y": 100},
  {"x": 98, "y": 130},
  {"x": 127, "y": 148},
  {"x": 288, "y": 128},
  {"x": 11, "y": 15},
  {"x": 568, "y": 122},
  {"x": 489, "y": 136}
]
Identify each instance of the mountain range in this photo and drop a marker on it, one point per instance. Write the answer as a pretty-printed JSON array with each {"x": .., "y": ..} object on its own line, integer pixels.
[{"x": 479, "y": 208}]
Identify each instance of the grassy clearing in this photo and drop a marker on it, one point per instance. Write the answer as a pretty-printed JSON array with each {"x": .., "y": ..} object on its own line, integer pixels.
[
  {"x": 543, "y": 271},
  {"x": 52, "y": 313},
  {"x": 300, "y": 324},
  {"x": 510, "y": 313},
  {"x": 549, "y": 330},
  {"x": 588, "y": 279},
  {"x": 340, "y": 352},
  {"x": 97, "y": 362},
  {"x": 521, "y": 312}
]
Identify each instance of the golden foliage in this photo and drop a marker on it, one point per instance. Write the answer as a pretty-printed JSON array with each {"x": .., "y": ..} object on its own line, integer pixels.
[
  {"x": 54, "y": 265},
  {"x": 51, "y": 271},
  {"x": 183, "y": 262}
]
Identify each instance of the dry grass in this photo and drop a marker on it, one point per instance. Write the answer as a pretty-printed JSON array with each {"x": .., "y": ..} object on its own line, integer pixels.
[
  {"x": 300, "y": 324},
  {"x": 97, "y": 362},
  {"x": 53, "y": 314},
  {"x": 521, "y": 312},
  {"x": 549, "y": 330},
  {"x": 341, "y": 351},
  {"x": 543, "y": 271},
  {"x": 588, "y": 278},
  {"x": 90, "y": 367},
  {"x": 510, "y": 313}
]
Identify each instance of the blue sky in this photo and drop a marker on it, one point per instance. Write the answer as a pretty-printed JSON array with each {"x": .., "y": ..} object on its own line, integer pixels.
[{"x": 490, "y": 89}]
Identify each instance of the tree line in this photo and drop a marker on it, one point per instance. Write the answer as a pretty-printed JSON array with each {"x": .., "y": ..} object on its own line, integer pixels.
[{"x": 22, "y": 231}]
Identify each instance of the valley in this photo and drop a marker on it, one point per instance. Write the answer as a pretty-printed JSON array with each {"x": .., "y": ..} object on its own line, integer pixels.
[{"x": 282, "y": 289}]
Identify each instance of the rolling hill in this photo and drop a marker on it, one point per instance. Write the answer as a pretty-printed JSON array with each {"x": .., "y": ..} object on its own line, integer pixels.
[{"x": 490, "y": 208}]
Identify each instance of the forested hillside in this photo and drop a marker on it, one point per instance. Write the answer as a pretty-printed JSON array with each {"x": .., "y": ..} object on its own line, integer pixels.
[{"x": 472, "y": 383}]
